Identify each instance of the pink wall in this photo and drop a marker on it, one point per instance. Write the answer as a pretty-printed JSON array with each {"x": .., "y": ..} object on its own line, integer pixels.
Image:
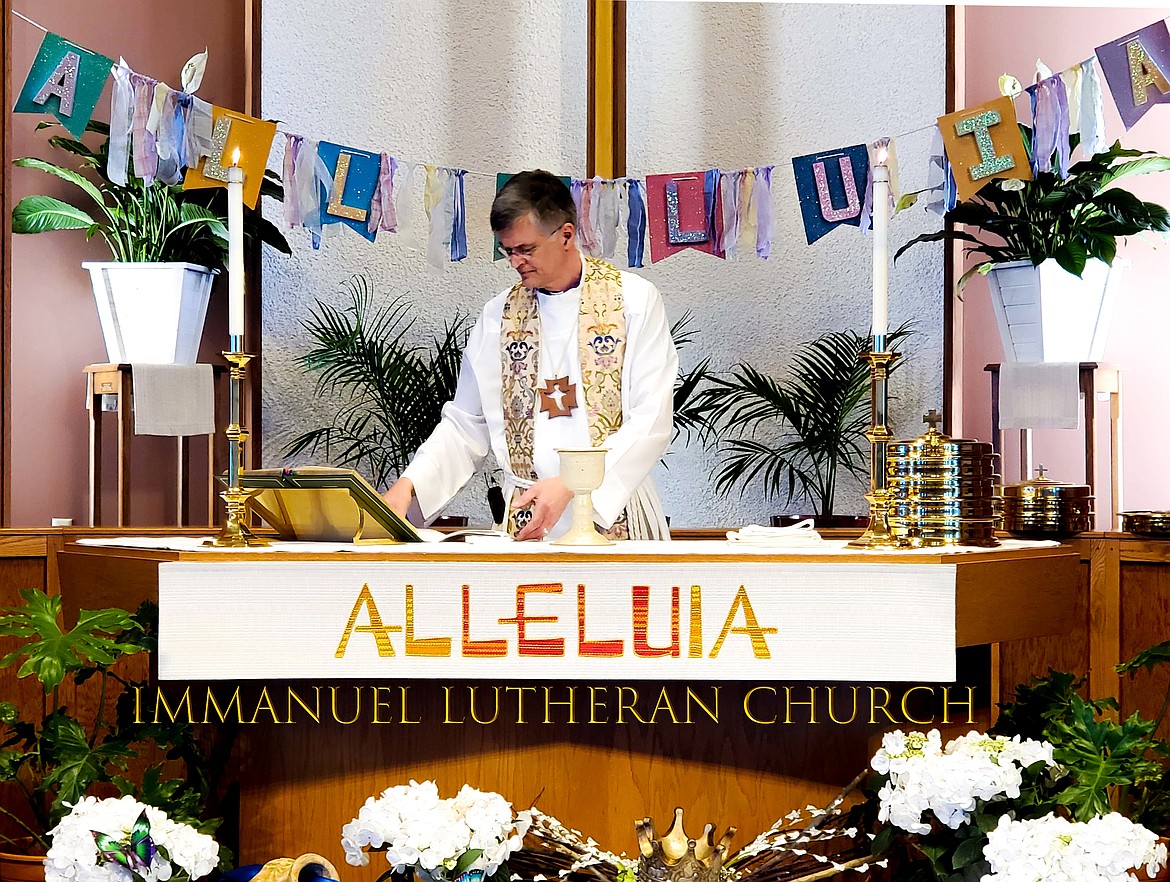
[
  {"x": 1009, "y": 40},
  {"x": 55, "y": 329}
]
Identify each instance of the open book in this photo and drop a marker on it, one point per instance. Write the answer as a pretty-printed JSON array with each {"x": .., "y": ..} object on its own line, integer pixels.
[{"x": 322, "y": 504}]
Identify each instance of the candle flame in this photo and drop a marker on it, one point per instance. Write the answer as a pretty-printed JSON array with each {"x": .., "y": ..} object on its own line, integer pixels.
[
  {"x": 883, "y": 154},
  {"x": 236, "y": 156}
]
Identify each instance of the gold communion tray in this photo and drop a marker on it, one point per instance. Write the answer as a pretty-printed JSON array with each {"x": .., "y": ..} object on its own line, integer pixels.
[{"x": 1146, "y": 523}]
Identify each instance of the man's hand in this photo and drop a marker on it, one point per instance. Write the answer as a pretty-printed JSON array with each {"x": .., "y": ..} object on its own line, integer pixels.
[
  {"x": 549, "y": 498},
  {"x": 399, "y": 495}
]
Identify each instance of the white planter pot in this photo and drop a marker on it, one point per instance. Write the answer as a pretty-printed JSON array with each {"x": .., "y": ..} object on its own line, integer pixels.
[
  {"x": 151, "y": 313},
  {"x": 1047, "y": 314}
]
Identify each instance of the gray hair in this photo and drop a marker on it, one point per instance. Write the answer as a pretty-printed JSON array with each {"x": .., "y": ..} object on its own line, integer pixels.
[{"x": 539, "y": 193}]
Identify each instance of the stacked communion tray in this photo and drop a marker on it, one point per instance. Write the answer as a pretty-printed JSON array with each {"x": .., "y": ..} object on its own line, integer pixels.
[
  {"x": 942, "y": 490},
  {"x": 1046, "y": 509}
]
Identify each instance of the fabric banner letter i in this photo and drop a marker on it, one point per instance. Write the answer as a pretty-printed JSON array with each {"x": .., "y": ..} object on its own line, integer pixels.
[
  {"x": 1136, "y": 68},
  {"x": 983, "y": 143},
  {"x": 355, "y": 179},
  {"x": 830, "y": 186},
  {"x": 233, "y": 131},
  {"x": 66, "y": 81}
]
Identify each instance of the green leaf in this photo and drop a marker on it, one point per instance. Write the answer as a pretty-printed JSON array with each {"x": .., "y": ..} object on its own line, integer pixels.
[
  {"x": 52, "y": 652},
  {"x": 1146, "y": 166},
  {"x": 465, "y": 860},
  {"x": 42, "y": 214},
  {"x": 968, "y": 852},
  {"x": 64, "y": 174},
  {"x": 1072, "y": 257},
  {"x": 75, "y": 765},
  {"x": 883, "y": 841},
  {"x": 1149, "y": 659}
]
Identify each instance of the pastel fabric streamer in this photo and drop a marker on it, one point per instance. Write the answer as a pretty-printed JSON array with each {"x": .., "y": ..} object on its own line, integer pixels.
[
  {"x": 404, "y": 209},
  {"x": 762, "y": 197},
  {"x": 608, "y": 218},
  {"x": 1072, "y": 95},
  {"x": 459, "y": 210},
  {"x": 747, "y": 205},
  {"x": 1050, "y": 126},
  {"x": 636, "y": 224},
  {"x": 141, "y": 140},
  {"x": 197, "y": 131},
  {"x": 168, "y": 138},
  {"x": 292, "y": 206},
  {"x": 311, "y": 179},
  {"x": 713, "y": 206},
  {"x": 438, "y": 202},
  {"x": 382, "y": 214},
  {"x": 729, "y": 198},
  {"x": 1092, "y": 121},
  {"x": 55, "y": 86},
  {"x": 121, "y": 119}
]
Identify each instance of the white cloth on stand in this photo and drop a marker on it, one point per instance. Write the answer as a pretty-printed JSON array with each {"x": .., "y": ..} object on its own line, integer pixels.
[
  {"x": 173, "y": 399},
  {"x": 1039, "y": 395}
]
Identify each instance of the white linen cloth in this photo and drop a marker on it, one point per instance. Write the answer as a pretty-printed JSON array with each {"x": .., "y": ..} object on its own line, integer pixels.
[
  {"x": 799, "y": 535},
  {"x": 473, "y": 423},
  {"x": 1039, "y": 395},
  {"x": 173, "y": 399}
]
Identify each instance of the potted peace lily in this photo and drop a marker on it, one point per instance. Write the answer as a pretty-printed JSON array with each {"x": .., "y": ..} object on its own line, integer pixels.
[
  {"x": 1049, "y": 249},
  {"x": 166, "y": 245},
  {"x": 57, "y": 759}
]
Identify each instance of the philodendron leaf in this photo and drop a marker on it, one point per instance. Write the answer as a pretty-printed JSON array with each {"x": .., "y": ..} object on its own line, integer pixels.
[
  {"x": 74, "y": 765},
  {"x": 43, "y": 214},
  {"x": 466, "y": 859},
  {"x": 1148, "y": 658},
  {"x": 52, "y": 652}
]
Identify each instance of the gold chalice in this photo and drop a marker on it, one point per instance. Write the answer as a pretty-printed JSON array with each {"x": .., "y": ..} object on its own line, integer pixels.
[{"x": 582, "y": 470}]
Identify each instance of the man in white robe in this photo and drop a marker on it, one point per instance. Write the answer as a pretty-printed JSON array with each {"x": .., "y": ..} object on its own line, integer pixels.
[{"x": 535, "y": 219}]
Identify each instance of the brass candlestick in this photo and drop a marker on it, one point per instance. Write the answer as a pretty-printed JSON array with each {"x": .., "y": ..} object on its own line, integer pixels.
[
  {"x": 878, "y": 535},
  {"x": 235, "y": 532}
]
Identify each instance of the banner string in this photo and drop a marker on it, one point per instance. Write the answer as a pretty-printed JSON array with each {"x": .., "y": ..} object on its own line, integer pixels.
[{"x": 492, "y": 175}]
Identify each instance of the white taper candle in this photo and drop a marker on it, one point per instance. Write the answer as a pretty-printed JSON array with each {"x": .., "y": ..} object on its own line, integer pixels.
[
  {"x": 235, "y": 189},
  {"x": 881, "y": 249}
]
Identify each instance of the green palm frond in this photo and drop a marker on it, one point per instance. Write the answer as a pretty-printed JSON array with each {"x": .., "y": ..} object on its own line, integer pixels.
[
  {"x": 392, "y": 390},
  {"x": 799, "y": 434}
]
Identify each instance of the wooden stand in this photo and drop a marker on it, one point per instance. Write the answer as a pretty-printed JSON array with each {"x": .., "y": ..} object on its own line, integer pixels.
[
  {"x": 1094, "y": 381},
  {"x": 117, "y": 380}
]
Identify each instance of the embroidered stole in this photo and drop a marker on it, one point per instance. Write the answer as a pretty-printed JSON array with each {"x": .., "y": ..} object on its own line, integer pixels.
[{"x": 601, "y": 344}]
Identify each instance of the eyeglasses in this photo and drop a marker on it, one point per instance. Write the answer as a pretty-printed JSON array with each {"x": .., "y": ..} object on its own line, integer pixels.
[{"x": 526, "y": 251}]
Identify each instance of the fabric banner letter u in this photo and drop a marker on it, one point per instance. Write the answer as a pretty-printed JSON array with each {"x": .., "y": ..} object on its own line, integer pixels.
[{"x": 831, "y": 186}]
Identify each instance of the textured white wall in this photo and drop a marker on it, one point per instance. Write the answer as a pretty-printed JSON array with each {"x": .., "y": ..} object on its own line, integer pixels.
[{"x": 502, "y": 86}]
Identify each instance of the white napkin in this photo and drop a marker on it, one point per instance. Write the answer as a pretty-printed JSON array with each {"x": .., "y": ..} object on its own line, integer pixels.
[
  {"x": 173, "y": 399},
  {"x": 1039, "y": 395},
  {"x": 795, "y": 536}
]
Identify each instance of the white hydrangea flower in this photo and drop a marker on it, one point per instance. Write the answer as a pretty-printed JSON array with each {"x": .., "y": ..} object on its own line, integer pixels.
[
  {"x": 420, "y": 830},
  {"x": 74, "y": 857},
  {"x": 1104, "y": 849},
  {"x": 925, "y": 776}
]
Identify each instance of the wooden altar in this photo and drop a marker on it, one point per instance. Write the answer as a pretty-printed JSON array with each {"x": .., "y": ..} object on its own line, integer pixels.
[{"x": 301, "y": 781}]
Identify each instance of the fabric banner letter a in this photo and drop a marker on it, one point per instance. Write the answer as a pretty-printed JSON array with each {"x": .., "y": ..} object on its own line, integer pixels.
[
  {"x": 66, "y": 80},
  {"x": 1136, "y": 67}
]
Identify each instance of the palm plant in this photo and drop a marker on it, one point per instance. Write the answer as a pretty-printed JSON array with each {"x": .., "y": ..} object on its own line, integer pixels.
[
  {"x": 139, "y": 222},
  {"x": 819, "y": 412},
  {"x": 393, "y": 390},
  {"x": 1069, "y": 220}
]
